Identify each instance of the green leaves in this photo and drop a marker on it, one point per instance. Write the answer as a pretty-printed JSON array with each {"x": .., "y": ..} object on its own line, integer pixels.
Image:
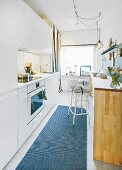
[{"x": 42, "y": 95}]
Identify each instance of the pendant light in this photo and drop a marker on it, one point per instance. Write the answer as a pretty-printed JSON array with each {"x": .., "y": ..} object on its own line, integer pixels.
[
  {"x": 95, "y": 20},
  {"x": 86, "y": 21},
  {"x": 99, "y": 43}
]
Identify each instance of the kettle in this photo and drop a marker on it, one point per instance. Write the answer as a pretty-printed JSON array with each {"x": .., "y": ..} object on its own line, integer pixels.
[{"x": 27, "y": 69}]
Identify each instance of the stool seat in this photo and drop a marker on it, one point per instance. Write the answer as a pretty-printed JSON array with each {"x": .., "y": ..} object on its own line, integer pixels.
[
  {"x": 78, "y": 89},
  {"x": 85, "y": 90}
]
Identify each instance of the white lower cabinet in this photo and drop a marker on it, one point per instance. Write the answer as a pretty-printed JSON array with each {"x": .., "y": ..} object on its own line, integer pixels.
[
  {"x": 14, "y": 129},
  {"x": 22, "y": 116},
  {"x": 8, "y": 127},
  {"x": 51, "y": 87}
]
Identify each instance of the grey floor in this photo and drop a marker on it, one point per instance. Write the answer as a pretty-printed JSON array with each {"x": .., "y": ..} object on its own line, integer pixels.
[{"x": 64, "y": 99}]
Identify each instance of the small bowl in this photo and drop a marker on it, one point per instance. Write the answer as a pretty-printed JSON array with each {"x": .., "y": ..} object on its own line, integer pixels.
[
  {"x": 103, "y": 76},
  {"x": 94, "y": 74}
]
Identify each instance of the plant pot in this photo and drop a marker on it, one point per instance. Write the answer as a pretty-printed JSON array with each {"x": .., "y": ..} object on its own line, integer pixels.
[{"x": 115, "y": 82}]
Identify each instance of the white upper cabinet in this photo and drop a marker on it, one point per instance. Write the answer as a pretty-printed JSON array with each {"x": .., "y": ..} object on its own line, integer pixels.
[
  {"x": 34, "y": 33},
  {"x": 20, "y": 27},
  {"x": 8, "y": 45}
]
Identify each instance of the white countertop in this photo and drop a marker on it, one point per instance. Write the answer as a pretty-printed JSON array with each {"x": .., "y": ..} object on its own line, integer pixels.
[
  {"x": 40, "y": 76},
  {"x": 75, "y": 76},
  {"x": 99, "y": 83}
]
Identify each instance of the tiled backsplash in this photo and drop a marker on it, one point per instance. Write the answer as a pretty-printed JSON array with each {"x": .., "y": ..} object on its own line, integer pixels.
[{"x": 36, "y": 59}]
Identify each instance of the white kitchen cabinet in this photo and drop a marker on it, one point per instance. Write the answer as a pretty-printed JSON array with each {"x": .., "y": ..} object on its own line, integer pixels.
[
  {"x": 20, "y": 27},
  {"x": 49, "y": 93},
  {"x": 55, "y": 86},
  {"x": 51, "y": 87},
  {"x": 34, "y": 33},
  {"x": 8, "y": 127},
  {"x": 8, "y": 45},
  {"x": 22, "y": 116}
]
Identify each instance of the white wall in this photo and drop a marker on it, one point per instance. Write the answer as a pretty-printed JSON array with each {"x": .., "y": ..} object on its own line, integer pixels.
[
  {"x": 26, "y": 57},
  {"x": 78, "y": 37},
  {"x": 111, "y": 21},
  {"x": 37, "y": 60},
  {"x": 110, "y": 24},
  {"x": 111, "y": 27}
]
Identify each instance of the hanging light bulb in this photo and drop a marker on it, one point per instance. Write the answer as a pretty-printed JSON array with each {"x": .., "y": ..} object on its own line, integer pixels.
[{"x": 99, "y": 43}]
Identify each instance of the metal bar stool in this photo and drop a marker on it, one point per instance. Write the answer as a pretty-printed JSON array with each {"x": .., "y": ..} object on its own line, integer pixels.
[{"x": 77, "y": 94}]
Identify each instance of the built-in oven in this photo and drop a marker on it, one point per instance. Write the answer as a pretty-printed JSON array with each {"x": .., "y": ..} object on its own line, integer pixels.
[{"x": 35, "y": 99}]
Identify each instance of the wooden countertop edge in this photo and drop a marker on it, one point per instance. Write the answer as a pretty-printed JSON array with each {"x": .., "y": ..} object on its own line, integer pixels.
[{"x": 115, "y": 90}]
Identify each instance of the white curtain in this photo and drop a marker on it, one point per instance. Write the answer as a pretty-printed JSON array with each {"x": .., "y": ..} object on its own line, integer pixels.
[
  {"x": 56, "y": 53},
  {"x": 56, "y": 49}
]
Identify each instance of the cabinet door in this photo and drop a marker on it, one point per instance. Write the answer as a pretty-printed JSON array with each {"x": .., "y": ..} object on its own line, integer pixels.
[
  {"x": 34, "y": 33},
  {"x": 49, "y": 93},
  {"x": 8, "y": 45},
  {"x": 108, "y": 126},
  {"x": 8, "y": 127},
  {"x": 55, "y": 87},
  {"x": 51, "y": 86},
  {"x": 22, "y": 116}
]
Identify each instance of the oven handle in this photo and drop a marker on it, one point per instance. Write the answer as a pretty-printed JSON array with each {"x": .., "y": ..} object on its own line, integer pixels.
[
  {"x": 29, "y": 104},
  {"x": 36, "y": 91}
]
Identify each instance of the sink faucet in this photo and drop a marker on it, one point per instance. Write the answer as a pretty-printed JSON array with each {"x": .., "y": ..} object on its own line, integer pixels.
[{"x": 42, "y": 70}]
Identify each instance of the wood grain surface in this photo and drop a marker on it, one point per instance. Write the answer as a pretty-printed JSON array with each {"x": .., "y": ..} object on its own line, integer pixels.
[{"x": 108, "y": 126}]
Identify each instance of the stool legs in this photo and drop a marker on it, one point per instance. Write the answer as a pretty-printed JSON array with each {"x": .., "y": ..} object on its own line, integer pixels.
[
  {"x": 81, "y": 103},
  {"x": 70, "y": 102},
  {"x": 73, "y": 108},
  {"x": 87, "y": 107},
  {"x": 75, "y": 111}
]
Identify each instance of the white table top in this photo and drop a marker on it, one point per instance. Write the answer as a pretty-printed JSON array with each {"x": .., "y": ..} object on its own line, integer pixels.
[{"x": 99, "y": 83}]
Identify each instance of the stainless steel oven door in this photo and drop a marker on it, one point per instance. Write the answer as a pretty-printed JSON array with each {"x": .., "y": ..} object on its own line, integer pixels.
[{"x": 35, "y": 103}]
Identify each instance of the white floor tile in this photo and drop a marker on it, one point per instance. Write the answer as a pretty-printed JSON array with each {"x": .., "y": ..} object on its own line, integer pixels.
[
  {"x": 14, "y": 162},
  {"x": 94, "y": 165},
  {"x": 107, "y": 166},
  {"x": 89, "y": 134}
]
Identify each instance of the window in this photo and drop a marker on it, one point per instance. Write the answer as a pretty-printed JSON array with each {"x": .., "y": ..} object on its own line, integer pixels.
[{"x": 74, "y": 57}]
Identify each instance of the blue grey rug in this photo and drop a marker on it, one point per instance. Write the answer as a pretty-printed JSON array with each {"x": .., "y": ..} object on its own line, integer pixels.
[{"x": 59, "y": 146}]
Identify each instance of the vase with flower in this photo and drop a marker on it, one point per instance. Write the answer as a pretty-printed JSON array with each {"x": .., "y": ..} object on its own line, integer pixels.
[{"x": 115, "y": 74}]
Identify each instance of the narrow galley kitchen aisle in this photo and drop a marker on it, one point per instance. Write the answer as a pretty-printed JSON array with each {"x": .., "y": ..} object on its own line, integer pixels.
[{"x": 63, "y": 100}]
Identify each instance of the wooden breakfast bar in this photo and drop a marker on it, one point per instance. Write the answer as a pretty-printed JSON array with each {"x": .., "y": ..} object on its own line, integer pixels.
[{"x": 107, "y": 121}]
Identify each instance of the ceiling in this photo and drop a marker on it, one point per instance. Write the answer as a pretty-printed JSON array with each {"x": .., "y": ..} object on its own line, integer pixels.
[{"x": 62, "y": 14}]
